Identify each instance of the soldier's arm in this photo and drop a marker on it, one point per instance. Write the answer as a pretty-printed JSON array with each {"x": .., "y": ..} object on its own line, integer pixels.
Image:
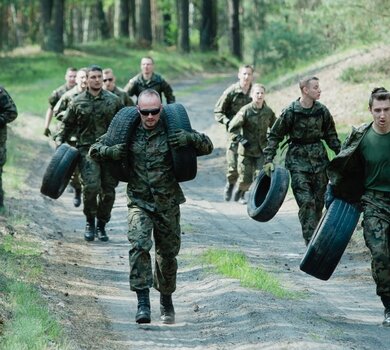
[
  {"x": 97, "y": 150},
  {"x": 221, "y": 107},
  {"x": 68, "y": 123},
  {"x": 237, "y": 122},
  {"x": 168, "y": 92},
  {"x": 201, "y": 143},
  {"x": 330, "y": 133},
  {"x": 8, "y": 110},
  {"x": 131, "y": 87},
  {"x": 128, "y": 101}
]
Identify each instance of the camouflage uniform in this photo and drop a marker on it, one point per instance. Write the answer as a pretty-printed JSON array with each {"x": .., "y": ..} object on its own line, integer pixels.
[
  {"x": 125, "y": 98},
  {"x": 232, "y": 99},
  {"x": 138, "y": 84},
  {"x": 306, "y": 158},
  {"x": 252, "y": 122},
  {"x": 8, "y": 113},
  {"x": 347, "y": 174},
  {"x": 154, "y": 197},
  {"x": 56, "y": 95},
  {"x": 88, "y": 117}
]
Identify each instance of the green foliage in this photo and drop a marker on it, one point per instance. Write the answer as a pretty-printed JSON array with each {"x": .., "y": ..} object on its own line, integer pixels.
[
  {"x": 372, "y": 72},
  {"x": 236, "y": 265}
]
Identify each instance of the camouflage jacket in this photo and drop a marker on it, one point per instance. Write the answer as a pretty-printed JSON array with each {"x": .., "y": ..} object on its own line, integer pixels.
[
  {"x": 88, "y": 116},
  {"x": 63, "y": 103},
  {"x": 125, "y": 98},
  {"x": 56, "y": 95},
  {"x": 8, "y": 111},
  {"x": 252, "y": 123},
  {"x": 137, "y": 84},
  {"x": 346, "y": 170},
  {"x": 305, "y": 128},
  {"x": 231, "y": 101},
  {"x": 152, "y": 185}
]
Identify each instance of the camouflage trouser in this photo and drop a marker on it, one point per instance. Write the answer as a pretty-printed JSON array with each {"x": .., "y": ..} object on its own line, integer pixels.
[
  {"x": 376, "y": 230},
  {"x": 231, "y": 159},
  {"x": 309, "y": 190},
  {"x": 248, "y": 169},
  {"x": 166, "y": 232},
  {"x": 98, "y": 187},
  {"x": 3, "y": 159},
  {"x": 75, "y": 180}
]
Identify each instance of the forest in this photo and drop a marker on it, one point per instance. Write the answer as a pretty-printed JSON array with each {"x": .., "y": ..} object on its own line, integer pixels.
[{"x": 271, "y": 34}]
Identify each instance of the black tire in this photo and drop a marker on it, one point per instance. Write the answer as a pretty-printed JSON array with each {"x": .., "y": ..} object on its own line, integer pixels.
[
  {"x": 120, "y": 130},
  {"x": 184, "y": 159},
  {"x": 330, "y": 239},
  {"x": 267, "y": 194},
  {"x": 59, "y": 171}
]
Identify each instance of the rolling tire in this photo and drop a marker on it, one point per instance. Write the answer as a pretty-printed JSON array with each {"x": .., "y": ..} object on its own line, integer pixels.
[
  {"x": 120, "y": 130},
  {"x": 59, "y": 171},
  {"x": 330, "y": 239},
  {"x": 267, "y": 194},
  {"x": 184, "y": 158}
]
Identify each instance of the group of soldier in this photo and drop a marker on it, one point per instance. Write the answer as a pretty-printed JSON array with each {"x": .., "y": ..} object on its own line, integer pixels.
[{"x": 359, "y": 173}]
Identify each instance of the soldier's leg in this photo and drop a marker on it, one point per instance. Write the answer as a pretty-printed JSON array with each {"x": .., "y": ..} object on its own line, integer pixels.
[
  {"x": 3, "y": 159},
  {"x": 231, "y": 171},
  {"x": 167, "y": 240},
  {"x": 301, "y": 184},
  {"x": 75, "y": 182},
  {"x": 319, "y": 182},
  {"x": 139, "y": 236},
  {"x": 245, "y": 167}
]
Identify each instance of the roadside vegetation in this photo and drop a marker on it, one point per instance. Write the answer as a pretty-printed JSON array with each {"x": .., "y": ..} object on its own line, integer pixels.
[{"x": 30, "y": 76}]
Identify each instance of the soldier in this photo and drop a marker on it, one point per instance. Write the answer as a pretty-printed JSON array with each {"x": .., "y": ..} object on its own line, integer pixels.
[
  {"x": 154, "y": 197},
  {"x": 59, "y": 111},
  {"x": 306, "y": 122},
  {"x": 70, "y": 82},
  {"x": 8, "y": 113},
  {"x": 361, "y": 173},
  {"x": 233, "y": 98},
  {"x": 250, "y": 125},
  {"x": 147, "y": 79},
  {"x": 109, "y": 84},
  {"x": 88, "y": 117}
]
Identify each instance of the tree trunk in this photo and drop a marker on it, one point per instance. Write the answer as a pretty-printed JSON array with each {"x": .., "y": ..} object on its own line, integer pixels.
[
  {"x": 209, "y": 23},
  {"x": 183, "y": 15},
  {"x": 132, "y": 19},
  {"x": 145, "y": 25},
  {"x": 122, "y": 18},
  {"x": 234, "y": 28},
  {"x": 102, "y": 21},
  {"x": 52, "y": 12}
]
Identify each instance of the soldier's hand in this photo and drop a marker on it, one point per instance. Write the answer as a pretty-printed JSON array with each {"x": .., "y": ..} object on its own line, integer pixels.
[
  {"x": 180, "y": 138},
  {"x": 329, "y": 196},
  {"x": 116, "y": 152},
  {"x": 47, "y": 132},
  {"x": 3, "y": 122},
  {"x": 268, "y": 168}
]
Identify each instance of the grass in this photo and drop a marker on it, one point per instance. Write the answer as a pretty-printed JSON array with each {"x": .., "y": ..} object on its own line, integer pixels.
[
  {"x": 373, "y": 72},
  {"x": 235, "y": 265}
]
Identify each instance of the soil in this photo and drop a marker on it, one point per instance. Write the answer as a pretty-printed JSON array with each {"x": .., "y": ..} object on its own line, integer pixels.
[{"x": 86, "y": 284}]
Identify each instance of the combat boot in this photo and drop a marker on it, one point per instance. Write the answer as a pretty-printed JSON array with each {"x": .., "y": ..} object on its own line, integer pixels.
[
  {"x": 101, "y": 231},
  {"x": 386, "y": 321},
  {"x": 77, "y": 198},
  {"x": 242, "y": 199},
  {"x": 89, "y": 234},
  {"x": 237, "y": 195},
  {"x": 143, "y": 311},
  {"x": 228, "y": 191},
  {"x": 167, "y": 309}
]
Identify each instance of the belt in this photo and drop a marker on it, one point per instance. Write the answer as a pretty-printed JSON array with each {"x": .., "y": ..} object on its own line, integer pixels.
[
  {"x": 379, "y": 194},
  {"x": 303, "y": 142}
]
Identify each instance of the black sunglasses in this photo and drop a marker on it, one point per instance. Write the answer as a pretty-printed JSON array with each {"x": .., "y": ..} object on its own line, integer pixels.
[
  {"x": 146, "y": 112},
  {"x": 109, "y": 79}
]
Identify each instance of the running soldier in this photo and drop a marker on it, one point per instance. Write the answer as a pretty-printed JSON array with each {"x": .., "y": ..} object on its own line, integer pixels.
[
  {"x": 233, "y": 98},
  {"x": 70, "y": 82},
  {"x": 306, "y": 122},
  {"x": 109, "y": 84},
  {"x": 361, "y": 173},
  {"x": 154, "y": 197},
  {"x": 147, "y": 79},
  {"x": 88, "y": 117},
  {"x": 250, "y": 125},
  {"x": 8, "y": 113}
]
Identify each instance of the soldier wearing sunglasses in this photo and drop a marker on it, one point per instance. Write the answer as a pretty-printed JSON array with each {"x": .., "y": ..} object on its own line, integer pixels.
[
  {"x": 154, "y": 197},
  {"x": 109, "y": 84}
]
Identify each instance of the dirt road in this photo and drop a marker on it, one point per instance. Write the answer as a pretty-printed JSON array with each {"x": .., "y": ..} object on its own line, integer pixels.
[{"x": 87, "y": 283}]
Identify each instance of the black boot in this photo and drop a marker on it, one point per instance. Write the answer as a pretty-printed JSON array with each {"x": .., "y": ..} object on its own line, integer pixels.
[
  {"x": 228, "y": 191},
  {"x": 166, "y": 308},
  {"x": 386, "y": 321},
  {"x": 242, "y": 199},
  {"x": 143, "y": 311},
  {"x": 77, "y": 198},
  {"x": 237, "y": 195},
  {"x": 89, "y": 234},
  {"x": 101, "y": 231}
]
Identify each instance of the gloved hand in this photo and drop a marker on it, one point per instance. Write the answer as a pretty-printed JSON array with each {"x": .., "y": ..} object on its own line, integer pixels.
[
  {"x": 47, "y": 132},
  {"x": 116, "y": 152},
  {"x": 268, "y": 168},
  {"x": 3, "y": 122},
  {"x": 180, "y": 138},
  {"x": 329, "y": 196}
]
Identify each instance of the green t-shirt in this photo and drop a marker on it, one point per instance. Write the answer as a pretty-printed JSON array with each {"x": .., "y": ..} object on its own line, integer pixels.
[{"x": 375, "y": 149}]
